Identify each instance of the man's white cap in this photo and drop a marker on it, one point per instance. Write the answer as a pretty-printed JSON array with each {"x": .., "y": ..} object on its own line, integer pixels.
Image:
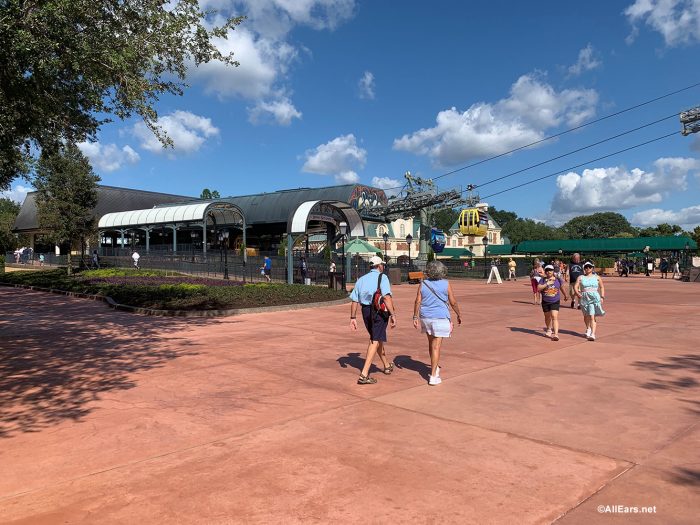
[{"x": 375, "y": 260}]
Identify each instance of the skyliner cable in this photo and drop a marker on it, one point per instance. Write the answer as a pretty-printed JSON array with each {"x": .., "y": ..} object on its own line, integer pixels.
[
  {"x": 605, "y": 117},
  {"x": 674, "y": 115},
  {"x": 582, "y": 164}
]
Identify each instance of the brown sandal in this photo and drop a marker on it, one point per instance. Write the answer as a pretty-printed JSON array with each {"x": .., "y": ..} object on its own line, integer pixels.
[
  {"x": 366, "y": 380},
  {"x": 389, "y": 369}
]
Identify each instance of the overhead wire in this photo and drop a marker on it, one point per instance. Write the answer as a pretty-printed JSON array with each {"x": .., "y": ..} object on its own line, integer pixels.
[
  {"x": 581, "y": 165},
  {"x": 576, "y": 150},
  {"x": 550, "y": 137}
]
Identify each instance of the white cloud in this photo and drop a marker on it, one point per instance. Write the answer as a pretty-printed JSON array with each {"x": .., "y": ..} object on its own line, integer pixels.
[
  {"x": 366, "y": 85},
  {"x": 617, "y": 188},
  {"x": 17, "y": 193},
  {"x": 392, "y": 186},
  {"x": 678, "y": 21},
  {"x": 187, "y": 131},
  {"x": 339, "y": 157},
  {"x": 688, "y": 218},
  {"x": 486, "y": 129},
  {"x": 586, "y": 61},
  {"x": 108, "y": 157},
  {"x": 262, "y": 46},
  {"x": 281, "y": 111}
]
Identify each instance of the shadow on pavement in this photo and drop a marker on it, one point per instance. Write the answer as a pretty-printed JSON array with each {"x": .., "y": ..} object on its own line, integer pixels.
[
  {"x": 541, "y": 333},
  {"x": 407, "y": 362},
  {"x": 686, "y": 364},
  {"x": 58, "y": 358}
]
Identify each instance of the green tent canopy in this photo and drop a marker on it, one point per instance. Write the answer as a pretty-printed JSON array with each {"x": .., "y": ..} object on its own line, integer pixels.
[
  {"x": 454, "y": 253},
  {"x": 361, "y": 246}
]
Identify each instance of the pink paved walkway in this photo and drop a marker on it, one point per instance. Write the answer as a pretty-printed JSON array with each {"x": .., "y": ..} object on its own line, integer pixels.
[{"x": 109, "y": 417}]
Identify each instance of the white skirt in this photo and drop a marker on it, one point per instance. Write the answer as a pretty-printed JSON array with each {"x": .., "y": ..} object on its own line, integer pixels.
[{"x": 435, "y": 327}]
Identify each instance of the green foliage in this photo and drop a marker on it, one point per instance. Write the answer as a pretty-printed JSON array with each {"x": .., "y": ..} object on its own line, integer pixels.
[
  {"x": 519, "y": 230},
  {"x": 2, "y": 264},
  {"x": 661, "y": 230},
  {"x": 8, "y": 213},
  {"x": 123, "y": 272},
  {"x": 66, "y": 195},
  {"x": 597, "y": 225},
  {"x": 185, "y": 296},
  {"x": 444, "y": 219},
  {"x": 502, "y": 217},
  {"x": 209, "y": 194},
  {"x": 68, "y": 66}
]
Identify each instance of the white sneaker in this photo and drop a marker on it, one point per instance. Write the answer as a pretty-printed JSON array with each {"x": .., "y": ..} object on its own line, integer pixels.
[
  {"x": 591, "y": 337},
  {"x": 434, "y": 380},
  {"x": 548, "y": 333},
  {"x": 588, "y": 332},
  {"x": 438, "y": 372}
]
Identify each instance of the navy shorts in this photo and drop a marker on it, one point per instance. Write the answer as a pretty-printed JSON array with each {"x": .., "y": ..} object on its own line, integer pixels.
[{"x": 376, "y": 326}]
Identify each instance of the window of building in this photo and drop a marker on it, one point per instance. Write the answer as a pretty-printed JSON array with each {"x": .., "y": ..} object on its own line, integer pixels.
[
  {"x": 454, "y": 242},
  {"x": 402, "y": 230},
  {"x": 381, "y": 230}
]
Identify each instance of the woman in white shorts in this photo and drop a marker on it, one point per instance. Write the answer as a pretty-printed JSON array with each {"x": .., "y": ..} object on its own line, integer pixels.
[{"x": 432, "y": 313}]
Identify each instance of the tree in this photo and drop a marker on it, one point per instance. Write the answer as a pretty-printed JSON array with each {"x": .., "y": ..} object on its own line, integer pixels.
[
  {"x": 209, "y": 194},
  {"x": 597, "y": 225},
  {"x": 502, "y": 217},
  {"x": 519, "y": 230},
  {"x": 661, "y": 230},
  {"x": 8, "y": 213},
  {"x": 445, "y": 218},
  {"x": 68, "y": 66},
  {"x": 66, "y": 196}
]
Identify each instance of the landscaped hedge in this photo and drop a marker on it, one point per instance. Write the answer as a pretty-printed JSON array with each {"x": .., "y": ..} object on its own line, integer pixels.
[{"x": 155, "y": 289}]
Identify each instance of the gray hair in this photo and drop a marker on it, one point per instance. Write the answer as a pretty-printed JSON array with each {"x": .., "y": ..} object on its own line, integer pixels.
[{"x": 435, "y": 270}]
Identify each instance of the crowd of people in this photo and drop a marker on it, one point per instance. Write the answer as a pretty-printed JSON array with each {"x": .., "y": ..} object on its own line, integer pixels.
[{"x": 435, "y": 302}]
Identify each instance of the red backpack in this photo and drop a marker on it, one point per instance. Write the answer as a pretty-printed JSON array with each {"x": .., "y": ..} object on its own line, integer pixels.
[{"x": 378, "y": 305}]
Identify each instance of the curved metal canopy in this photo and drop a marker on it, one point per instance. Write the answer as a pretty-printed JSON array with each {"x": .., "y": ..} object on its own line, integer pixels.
[
  {"x": 297, "y": 222},
  {"x": 186, "y": 213}
]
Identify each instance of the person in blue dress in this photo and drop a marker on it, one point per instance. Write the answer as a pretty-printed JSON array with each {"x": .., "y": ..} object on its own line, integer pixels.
[{"x": 591, "y": 293}]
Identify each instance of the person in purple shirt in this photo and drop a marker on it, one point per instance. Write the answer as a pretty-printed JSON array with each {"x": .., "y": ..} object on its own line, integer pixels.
[{"x": 552, "y": 290}]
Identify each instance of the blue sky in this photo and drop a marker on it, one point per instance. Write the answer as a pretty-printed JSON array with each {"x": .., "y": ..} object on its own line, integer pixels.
[{"x": 334, "y": 91}]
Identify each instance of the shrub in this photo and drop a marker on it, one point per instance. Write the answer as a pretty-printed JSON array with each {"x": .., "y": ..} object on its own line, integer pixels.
[{"x": 2, "y": 264}]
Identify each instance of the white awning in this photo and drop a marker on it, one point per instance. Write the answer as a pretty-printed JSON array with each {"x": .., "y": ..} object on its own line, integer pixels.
[
  {"x": 297, "y": 222},
  {"x": 220, "y": 212}
]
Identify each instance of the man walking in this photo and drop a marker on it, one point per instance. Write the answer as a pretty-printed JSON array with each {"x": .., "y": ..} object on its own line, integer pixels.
[
  {"x": 267, "y": 268},
  {"x": 511, "y": 269},
  {"x": 135, "y": 256},
  {"x": 575, "y": 270},
  {"x": 375, "y": 322}
]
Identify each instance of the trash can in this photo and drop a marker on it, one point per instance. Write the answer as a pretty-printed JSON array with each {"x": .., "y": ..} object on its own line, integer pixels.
[{"x": 307, "y": 281}]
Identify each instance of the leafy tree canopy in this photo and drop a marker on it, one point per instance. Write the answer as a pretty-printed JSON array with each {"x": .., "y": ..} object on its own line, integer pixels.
[
  {"x": 68, "y": 66},
  {"x": 444, "y": 219},
  {"x": 519, "y": 230},
  {"x": 209, "y": 194},
  {"x": 605, "y": 224},
  {"x": 66, "y": 195},
  {"x": 8, "y": 213},
  {"x": 661, "y": 230},
  {"x": 502, "y": 217}
]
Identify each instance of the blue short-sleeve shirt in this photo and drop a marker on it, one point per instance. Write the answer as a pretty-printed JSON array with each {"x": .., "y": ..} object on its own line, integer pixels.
[{"x": 367, "y": 285}]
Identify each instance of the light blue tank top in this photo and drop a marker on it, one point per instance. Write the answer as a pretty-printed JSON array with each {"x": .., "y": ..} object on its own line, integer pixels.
[{"x": 432, "y": 307}]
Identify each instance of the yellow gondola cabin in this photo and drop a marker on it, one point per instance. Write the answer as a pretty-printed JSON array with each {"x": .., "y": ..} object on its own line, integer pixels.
[{"x": 473, "y": 221}]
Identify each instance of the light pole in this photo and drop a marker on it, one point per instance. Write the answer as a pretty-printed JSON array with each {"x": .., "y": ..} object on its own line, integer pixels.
[
  {"x": 223, "y": 240},
  {"x": 343, "y": 227},
  {"x": 685, "y": 255},
  {"x": 409, "y": 239},
  {"x": 194, "y": 236},
  {"x": 385, "y": 236}
]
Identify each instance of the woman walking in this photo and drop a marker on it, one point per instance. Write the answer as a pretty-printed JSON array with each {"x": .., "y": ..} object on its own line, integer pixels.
[
  {"x": 551, "y": 290},
  {"x": 432, "y": 312},
  {"x": 591, "y": 293},
  {"x": 536, "y": 275}
]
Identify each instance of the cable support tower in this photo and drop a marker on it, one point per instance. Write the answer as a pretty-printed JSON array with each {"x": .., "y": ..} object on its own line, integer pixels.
[{"x": 691, "y": 121}]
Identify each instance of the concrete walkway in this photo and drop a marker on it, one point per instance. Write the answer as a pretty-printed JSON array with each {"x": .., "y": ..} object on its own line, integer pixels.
[{"x": 109, "y": 417}]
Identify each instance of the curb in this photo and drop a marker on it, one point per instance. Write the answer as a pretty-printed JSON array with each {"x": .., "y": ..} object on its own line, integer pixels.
[{"x": 178, "y": 313}]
